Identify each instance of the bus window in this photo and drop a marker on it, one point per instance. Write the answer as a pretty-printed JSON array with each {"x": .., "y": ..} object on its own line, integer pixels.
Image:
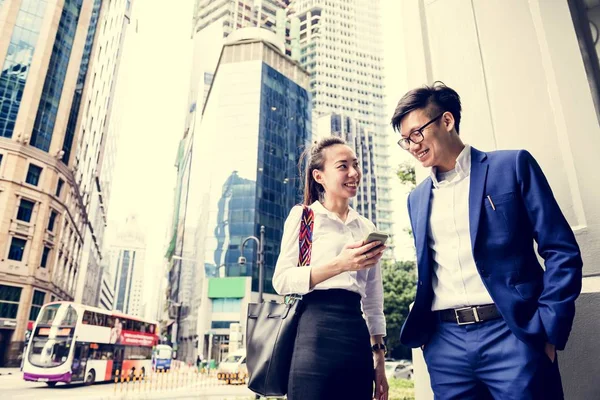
[
  {"x": 70, "y": 318},
  {"x": 87, "y": 318},
  {"x": 48, "y": 350},
  {"x": 49, "y": 314}
]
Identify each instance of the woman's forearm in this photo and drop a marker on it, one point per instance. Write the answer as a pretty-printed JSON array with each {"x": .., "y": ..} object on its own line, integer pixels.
[{"x": 323, "y": 272}]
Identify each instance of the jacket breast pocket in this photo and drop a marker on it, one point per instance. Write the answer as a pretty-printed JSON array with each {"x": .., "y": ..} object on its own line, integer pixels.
[
  {"x": 500, "y": 211},
  {"x": 495, "y": 200}
]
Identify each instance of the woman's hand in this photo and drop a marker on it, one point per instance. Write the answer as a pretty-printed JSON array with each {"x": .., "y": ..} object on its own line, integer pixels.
[
  {"x": 381, "y": 384},
  {"x": 358, "y": 256},
  {"x": 354, "y": 257}
]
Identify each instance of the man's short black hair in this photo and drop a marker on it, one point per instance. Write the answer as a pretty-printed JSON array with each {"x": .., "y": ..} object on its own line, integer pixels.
[{"x": 434, "y": 99}]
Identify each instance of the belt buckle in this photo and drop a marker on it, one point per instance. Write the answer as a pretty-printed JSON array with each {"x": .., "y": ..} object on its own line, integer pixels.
[{"x": 475, "y": 315}]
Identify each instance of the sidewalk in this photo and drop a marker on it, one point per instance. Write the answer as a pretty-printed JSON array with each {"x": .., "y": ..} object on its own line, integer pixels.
[{"x": 10, "y": 371}]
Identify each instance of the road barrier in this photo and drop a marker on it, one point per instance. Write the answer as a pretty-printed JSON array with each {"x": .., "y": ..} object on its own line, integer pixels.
[{"x": 165, "y": 380}]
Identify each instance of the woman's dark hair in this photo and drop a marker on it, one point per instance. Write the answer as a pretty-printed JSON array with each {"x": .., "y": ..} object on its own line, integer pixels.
[
  {"x": 315, "y": 159},
  {"x": 434, "y": 99}
]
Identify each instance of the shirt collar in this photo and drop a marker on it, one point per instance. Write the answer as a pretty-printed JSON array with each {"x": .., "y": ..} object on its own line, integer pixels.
[
  {"x": 462, "y": 167},
  {"x": 318, "y": 208}
]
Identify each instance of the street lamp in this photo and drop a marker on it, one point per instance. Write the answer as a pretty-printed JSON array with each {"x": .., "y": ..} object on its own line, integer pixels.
[{"x": 260, "y": 258}]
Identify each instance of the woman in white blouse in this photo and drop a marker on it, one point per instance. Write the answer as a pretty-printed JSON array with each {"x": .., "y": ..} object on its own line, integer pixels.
[{"x": 333, "y": 356}]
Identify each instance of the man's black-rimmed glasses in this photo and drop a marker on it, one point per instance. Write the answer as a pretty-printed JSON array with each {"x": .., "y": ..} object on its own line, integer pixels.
[{"x": 416, "y": 136}]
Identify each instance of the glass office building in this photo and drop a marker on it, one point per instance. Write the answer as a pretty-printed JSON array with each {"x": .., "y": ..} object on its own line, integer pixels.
[
  {"x": 255, "y": 124},
  {"x": 238, "y": 171}
]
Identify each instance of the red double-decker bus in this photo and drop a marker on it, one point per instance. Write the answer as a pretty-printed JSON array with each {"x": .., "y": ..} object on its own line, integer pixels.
[{"x": 73, "y": 343}]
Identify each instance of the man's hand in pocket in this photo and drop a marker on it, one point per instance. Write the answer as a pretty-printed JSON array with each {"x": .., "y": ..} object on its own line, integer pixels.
[{"x": 550, "y": 350}]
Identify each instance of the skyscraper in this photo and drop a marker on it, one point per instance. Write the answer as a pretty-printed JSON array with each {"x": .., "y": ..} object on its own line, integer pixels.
[
  {"x": 128, "y": 254},
  {"x": 47, "y": 52},
  {"x": 91, "y": 117},
  {"x": 341, "y": 48},
  {"x": 244, "y": 151},
  {"x": 215, "y": 20}
]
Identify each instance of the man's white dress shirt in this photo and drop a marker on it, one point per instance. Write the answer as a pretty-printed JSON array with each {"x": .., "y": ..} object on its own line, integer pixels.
[{"x": 456, "y": 281}]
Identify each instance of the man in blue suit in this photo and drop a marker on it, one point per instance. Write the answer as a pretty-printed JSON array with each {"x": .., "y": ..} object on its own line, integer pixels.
[{"x": 488, "y": 317}]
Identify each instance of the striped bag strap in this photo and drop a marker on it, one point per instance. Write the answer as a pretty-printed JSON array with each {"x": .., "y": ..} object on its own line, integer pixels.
[{"x": 305, "y": 236}]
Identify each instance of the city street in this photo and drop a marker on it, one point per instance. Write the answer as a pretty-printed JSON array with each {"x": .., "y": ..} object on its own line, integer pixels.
[{"x": 15, "y": 388}]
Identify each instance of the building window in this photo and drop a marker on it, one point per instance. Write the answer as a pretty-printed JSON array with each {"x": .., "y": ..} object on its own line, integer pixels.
[
  {"x": 59, "y": 187},
  {"x": 52, "y": 220},
  {"x": 226, "y": 305},
  {"x": 17, "y": 248},
  {"x": 1, "y": 157},
  {"x": 222, "y": 324},
  {"x": 9, "y": 301},
  {"x": 25, "y": 210},
  {"x": 36, "y": 304},
  {"x": 33, "y": 175},
  {"x": 45, "y": 255}
]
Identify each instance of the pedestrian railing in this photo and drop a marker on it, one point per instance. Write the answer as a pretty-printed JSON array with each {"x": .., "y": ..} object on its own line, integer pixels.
[{"x": 166, "y": 380}]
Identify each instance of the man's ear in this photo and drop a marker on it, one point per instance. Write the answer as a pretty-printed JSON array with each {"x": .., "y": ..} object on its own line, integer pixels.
[{"x": 448, "y": 121}]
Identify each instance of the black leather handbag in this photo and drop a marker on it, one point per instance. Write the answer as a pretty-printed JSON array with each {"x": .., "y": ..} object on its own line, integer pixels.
[{"x": 271, "y": 329}]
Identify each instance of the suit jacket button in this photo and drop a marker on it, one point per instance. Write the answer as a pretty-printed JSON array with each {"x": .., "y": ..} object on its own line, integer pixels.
[{"x": 421, "y": 283}]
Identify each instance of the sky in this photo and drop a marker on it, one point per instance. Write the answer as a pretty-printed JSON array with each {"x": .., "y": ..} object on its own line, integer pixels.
[{"x": 157, "y": 66}]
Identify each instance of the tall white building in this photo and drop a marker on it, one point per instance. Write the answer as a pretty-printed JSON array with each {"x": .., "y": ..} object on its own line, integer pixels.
[
  {"x": 128, "y": 257},
  {"x": 214, "y": 21},
  {"x": 341, "y": 47},
  {"x": 91, "y": 120}
]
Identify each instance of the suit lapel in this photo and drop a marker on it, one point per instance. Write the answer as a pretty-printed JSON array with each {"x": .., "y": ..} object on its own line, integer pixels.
[
  {"x": 479, "y": 169},
  {"x": 424, "y": 201}
]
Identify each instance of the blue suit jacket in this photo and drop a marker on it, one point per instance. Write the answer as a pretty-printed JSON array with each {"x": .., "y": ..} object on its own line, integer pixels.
[{"x": 537, "y": 305}]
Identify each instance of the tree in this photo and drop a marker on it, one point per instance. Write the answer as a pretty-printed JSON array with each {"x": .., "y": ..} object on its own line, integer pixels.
[
  {"x": 399, "y": 288},
  {"x": 407, "y": 175},
  {"x": 399, "y": 283}
]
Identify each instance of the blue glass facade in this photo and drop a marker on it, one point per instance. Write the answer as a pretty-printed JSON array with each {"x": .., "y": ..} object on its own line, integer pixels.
[
  {"x": 255, "y": 125},
  {"x": 83, "y": 69},
  {"x": 17, "y": 62},
  {"x": 284, "y": 132},
  {"x": 235, "y": 221},
  {"x": 43, "y": 126}
]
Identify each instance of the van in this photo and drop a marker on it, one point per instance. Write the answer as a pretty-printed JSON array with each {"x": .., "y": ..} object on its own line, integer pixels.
[{"x": 234, "y": 368}]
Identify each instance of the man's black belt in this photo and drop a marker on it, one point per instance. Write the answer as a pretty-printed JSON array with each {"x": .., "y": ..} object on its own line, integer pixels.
[{"x": 470, "y": 315}]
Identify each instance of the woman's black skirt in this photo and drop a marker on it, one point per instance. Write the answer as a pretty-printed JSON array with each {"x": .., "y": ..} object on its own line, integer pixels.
[{"x": 332, "y": 354}]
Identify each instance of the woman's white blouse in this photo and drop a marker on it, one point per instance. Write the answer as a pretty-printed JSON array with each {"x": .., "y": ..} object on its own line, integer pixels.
[{"x": 330, "y": 235}]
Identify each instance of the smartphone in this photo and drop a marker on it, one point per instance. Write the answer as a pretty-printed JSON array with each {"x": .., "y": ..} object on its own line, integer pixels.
[{"x": 376, "y": 237}]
